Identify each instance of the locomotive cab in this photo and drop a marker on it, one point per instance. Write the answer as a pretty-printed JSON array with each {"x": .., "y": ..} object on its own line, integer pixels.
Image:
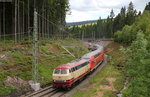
[{"x": 61, "y": 75}]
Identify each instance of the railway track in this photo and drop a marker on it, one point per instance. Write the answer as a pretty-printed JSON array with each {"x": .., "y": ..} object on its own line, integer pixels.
[{"x": 47, "y": 92}]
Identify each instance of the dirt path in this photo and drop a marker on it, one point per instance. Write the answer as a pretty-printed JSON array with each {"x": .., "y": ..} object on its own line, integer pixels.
[{"x": 110, "y": 86}]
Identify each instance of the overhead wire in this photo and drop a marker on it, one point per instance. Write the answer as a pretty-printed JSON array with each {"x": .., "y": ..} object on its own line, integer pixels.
[{"x": 53, "y": 23}]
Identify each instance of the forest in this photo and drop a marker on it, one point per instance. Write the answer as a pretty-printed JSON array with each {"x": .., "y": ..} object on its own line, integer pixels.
[
  {"x": 16, "y": 18},
  {"x": 105, "y": 28}
]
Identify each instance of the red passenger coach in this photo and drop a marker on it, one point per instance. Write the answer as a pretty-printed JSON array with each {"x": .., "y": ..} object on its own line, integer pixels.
[{"x": 96, "y": 57}]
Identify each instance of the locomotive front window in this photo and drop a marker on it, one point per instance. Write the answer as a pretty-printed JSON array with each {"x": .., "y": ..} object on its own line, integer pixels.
[
  {"x": 60, "y": 71},
  {"x": 57, "y": 71},
  {"x": 63, "y": 71}
]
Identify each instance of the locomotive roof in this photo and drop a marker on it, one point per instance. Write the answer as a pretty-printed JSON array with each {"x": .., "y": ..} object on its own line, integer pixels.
[
  {"x": 89, "y": 55},
  {"x": 72, "y": 64}
]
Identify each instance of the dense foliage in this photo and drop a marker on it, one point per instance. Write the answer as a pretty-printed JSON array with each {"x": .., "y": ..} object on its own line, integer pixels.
[
  {"x": 138, "y": 54},
  {"x": 138, "y": 68},
  {"x": 128, "y": 33},
  {"x": 105, "y": 28}
]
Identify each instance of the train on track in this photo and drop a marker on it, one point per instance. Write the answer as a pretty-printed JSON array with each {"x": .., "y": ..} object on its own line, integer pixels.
[{"x": 67, "y": 75}]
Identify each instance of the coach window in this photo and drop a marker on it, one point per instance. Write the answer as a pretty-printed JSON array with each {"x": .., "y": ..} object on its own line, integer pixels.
[
  {"x": 76, "y": 68},
  {"x": 87, "y": 63},
  {"x": 84, "y": 64},
  {"x": 70, "y": 71},
  {"x": 73, "y": 69}
]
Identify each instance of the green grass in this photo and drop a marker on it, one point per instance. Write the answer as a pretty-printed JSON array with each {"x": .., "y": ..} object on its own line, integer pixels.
[
  {"x": 18, "y": 61},
  {"x": 109, "y": 70},
  {"x": 6, "y": 90}
]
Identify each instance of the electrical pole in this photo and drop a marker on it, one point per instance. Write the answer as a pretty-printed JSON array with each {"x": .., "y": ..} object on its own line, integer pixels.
[
  {"x": 35, "y": 48},
  {"x": 35, "y": 85}
]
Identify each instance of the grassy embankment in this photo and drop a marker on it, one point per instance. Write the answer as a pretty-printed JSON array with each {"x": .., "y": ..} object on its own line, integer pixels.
[
  {"x": 110, "y": 80},
  {"x": 16, "y": 60}
]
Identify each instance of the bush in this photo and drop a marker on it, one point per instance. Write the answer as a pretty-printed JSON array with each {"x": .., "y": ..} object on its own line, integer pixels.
[{"x": 125, "y": 36}]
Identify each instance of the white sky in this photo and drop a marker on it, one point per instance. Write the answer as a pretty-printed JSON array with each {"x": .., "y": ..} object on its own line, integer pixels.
[{"x": 82, "y": 10}]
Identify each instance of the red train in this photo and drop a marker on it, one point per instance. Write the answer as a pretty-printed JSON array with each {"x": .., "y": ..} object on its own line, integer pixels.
[{"x": 68, "y": 74}]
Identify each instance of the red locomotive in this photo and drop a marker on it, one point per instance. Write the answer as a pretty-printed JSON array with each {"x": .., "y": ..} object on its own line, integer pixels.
[{"x": 68, "y": 74}]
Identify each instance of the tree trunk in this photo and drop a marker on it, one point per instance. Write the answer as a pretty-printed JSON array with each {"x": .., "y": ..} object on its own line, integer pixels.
[
  {"x": 19, "y": 33},
  {"x": 4, "y": 29},
  {"x": 28, "y": 28},
  {"x": 23, "y": 22},
  {"x": 16, "y": 20},
  {"x": 0, "y": 24},
  {"x": 42, "y": 21},
  {"x": 48, "y": 27}
]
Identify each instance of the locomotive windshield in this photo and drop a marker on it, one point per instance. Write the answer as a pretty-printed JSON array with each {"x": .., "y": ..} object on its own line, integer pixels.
[
  {"x": 60, "y": 71},
  {"x": 57, "y": 71},
  {"x": 63, "y": 71}
]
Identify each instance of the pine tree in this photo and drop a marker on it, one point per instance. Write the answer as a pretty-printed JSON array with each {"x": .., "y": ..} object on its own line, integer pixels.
[
  {"x": 148, "y": 7},
  {"x": 111, "y": 23},
  {"x": 131, "y": 14},
  {"x": 112, "y": 15}
]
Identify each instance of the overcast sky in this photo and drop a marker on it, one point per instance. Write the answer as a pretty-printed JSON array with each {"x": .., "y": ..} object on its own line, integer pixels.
[{"x": 82, "y": 10}]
